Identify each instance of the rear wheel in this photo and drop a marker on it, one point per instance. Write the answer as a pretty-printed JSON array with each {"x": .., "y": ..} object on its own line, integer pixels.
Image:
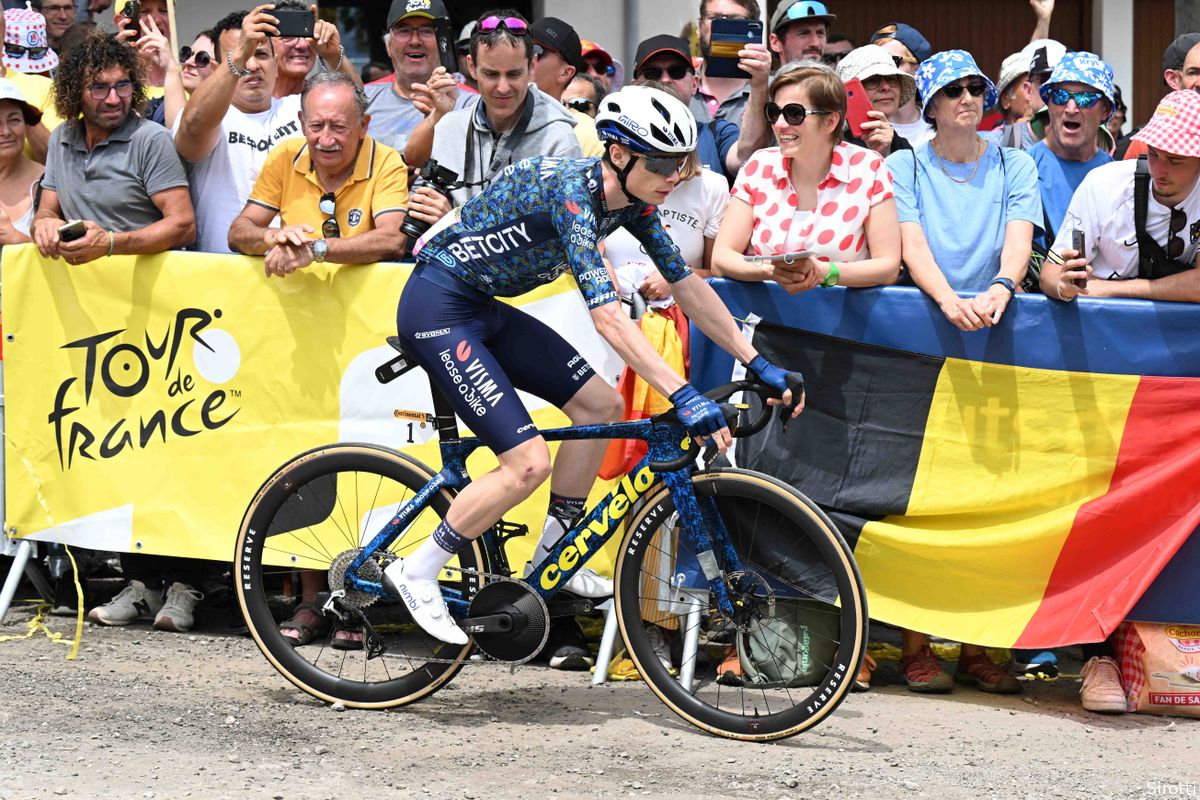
[
  {"x": 313, "y": 514},
  {"x": 799, "y": 631}
]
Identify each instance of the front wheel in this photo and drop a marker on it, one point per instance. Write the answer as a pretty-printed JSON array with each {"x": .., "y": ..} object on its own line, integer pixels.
[
  {"x": 788, "y": 655},
  {"x": 303, "y": 527}
]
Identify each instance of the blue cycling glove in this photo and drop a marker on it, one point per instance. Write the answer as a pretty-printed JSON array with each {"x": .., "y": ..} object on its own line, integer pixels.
[
  {"x": 700, "y": 416},
  {"x": 769, "y": 374}
]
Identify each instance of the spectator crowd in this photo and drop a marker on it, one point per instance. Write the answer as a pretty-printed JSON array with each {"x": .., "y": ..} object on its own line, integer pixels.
[{"x": 969, "y": 186}]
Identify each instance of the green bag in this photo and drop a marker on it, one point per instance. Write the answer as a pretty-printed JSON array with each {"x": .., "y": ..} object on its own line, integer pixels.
[{"x": 794, "y": 648}]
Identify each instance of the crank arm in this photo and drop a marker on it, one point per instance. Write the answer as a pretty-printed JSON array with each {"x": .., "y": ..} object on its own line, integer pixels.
[
  {"x": 492, "y": 623},
  {"x": 570, "y": 607}
]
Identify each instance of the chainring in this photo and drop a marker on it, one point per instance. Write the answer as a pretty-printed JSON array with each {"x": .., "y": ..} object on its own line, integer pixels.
[{"x": 531, "y": 620}]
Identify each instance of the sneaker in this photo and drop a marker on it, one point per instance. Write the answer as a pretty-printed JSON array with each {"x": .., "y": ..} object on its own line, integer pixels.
[
  {"x": 985, "y": 675},
  {"x": 585, "y": 583},
  {"x": 566, "y": 647},
  {"x": 134, "y": 602},
  {"x": 176, "y": 613},
  {"x": 1102, "y": 690},
  {"x": 1036, "y": 664},
  {"x": 924, "y": 674},
  {"x": 425, "y": 604}
]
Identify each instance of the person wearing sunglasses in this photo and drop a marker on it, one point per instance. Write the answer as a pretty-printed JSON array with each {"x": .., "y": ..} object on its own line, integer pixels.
[
  {"x": 420, "y": 92},
  {"x": 511, "y": 119},
  {"x": 967, "y": 214},
  {"x": 540, "y": 218},
  {"x": 583, "y": 94},
  {"x": 599, "y": 64},
  {"x": 180, "y": 77},
  {"x": 908, "y": 48},
  {"x": 813, "y": 194},
  {"x": 1160, "y": 263},
  {"x": 888, "y": 88},
  {"x": 38, "y": 90},
  {"x": 1079, "y": 95},
  {"x": 721, "y": 146},
  {"x": 837, "y": 47}
]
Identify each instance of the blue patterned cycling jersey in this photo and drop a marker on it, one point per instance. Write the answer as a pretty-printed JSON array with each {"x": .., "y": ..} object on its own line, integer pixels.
[{"x": 540, "y": 217}]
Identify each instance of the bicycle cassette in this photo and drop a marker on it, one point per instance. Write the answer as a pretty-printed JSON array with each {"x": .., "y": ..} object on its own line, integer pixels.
[{"x": 508, "y": 620}]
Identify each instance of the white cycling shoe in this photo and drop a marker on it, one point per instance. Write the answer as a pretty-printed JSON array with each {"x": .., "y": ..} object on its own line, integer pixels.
[
  {"x": 585, "y": 583},
  {"x": 425, "y": 604}
]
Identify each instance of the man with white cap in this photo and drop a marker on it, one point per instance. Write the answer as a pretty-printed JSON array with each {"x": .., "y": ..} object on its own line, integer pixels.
[
  {"x": 1159, "y": 264},
  {"x": 1080, "y": 97}
]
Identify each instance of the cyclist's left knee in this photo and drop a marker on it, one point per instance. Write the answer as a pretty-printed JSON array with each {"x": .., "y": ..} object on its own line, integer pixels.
[{"x": 596, "y": 402}]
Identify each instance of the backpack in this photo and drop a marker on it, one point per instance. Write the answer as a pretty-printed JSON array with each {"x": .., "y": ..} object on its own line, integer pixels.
[{"x": 794, "y": 648}]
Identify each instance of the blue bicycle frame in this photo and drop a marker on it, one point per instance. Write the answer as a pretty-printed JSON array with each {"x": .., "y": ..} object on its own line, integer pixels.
[{"x": 702, "y": 524}]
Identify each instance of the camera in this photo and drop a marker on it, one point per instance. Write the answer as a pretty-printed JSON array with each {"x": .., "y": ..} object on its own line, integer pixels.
[{"x": 442, "y": 180}]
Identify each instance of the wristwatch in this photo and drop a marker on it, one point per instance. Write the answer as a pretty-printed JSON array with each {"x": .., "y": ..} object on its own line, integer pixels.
[
  {"x": 1007, "y": 283},
  {"x": 832, "y": 277},
  {"x": 320, "y": 249}
]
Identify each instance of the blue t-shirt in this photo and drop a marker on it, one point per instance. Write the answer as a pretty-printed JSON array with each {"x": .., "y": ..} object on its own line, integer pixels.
[
  {"x": 713, "y": 141},
  {"x": 540, "y": 217},
  {"x": 964, "y": 223},
  {"x": 1057, "y": 181}
]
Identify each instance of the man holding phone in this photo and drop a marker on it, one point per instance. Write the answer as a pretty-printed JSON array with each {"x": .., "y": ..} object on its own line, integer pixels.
[
  {"x": 113, "y": 182},
  {"x": 720, "y": 145},
  {"x": 722, "y": 98},
  {"x": 303, "y": 38}
]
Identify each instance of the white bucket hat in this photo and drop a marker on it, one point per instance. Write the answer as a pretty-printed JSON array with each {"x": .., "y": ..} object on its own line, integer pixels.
[
  {"x": 870, "y": 61},
  {"x": 1012, "y": 68},
  {"x": 26, "y": 47}
]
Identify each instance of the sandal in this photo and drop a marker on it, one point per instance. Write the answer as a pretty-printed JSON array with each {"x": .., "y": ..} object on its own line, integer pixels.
[
  {"x": 308, "y": 624},
  {"x": 923, "y": 673},
  {"x": 347, "y": 637},
  {"x": 862, "y": 683},
  {"x": 729, "y": 673},
  {"x": 985, "y": 675}
]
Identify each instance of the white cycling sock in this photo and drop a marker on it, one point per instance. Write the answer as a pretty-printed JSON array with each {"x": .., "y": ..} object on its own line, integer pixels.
[
  {"x": 426, "y": 562},
  {"x": 562, "y": 515}
]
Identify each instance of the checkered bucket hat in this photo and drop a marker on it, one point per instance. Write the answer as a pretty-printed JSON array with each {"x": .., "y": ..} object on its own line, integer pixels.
[{"x": 1175, "y": 126}]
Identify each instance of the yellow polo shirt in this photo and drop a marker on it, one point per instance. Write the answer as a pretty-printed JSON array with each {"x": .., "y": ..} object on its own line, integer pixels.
[{"x": 289, "y": 186}]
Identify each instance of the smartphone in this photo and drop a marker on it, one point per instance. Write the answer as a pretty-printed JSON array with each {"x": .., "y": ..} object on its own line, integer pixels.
[
  {"x": 132, "y": 10},
  {"x": 728, "y": 37},
  {"x": 72, "y": 230},
  {"x": 294, "y": 23},
  {"x": 1079, "y": 245},
  {"x": 786, "y": 258},
  {"x": 857, "y": 106},
  {"x": 447, "y": 52}
]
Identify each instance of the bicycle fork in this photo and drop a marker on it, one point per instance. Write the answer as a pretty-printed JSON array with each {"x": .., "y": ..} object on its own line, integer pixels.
[{"x": 704, "y": 532}]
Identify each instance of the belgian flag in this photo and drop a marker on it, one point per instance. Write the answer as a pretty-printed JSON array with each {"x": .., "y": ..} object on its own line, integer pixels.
[{"x": 1001, "y": 505}]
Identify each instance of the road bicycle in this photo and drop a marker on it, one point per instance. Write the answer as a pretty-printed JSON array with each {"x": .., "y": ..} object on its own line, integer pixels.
[{"x": 712, "y": 562}]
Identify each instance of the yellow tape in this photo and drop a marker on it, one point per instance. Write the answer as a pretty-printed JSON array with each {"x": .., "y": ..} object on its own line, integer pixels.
[{"x": 38, "y": 624}]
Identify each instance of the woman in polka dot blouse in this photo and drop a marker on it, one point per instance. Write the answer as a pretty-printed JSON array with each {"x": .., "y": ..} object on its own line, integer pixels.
[{"x": 812, "y": 193}]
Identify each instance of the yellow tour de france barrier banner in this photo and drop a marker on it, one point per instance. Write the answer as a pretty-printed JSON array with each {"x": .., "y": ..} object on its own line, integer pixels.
[{"x": 149, "y": 397}]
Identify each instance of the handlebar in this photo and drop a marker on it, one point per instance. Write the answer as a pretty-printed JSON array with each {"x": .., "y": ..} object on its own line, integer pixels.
[{"x": 733, "y": 415}]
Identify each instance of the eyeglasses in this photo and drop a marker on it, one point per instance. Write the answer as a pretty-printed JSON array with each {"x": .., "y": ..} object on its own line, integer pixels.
[
  {"x": 517, "y": 27},
  {"x": 414, "y": 31},
  {"x": 664, "y": 166},
  {"x": 594, "y": 68},
  {"x": 832, "y": 59},
  {"x": 18, "y": 51},
  {"x": 580, "y": 104},
  {"x": 711, "y": 17},
  {"x": 1060, "y": 97},
  {"x": 63, "y": 9},
  {"x": 99, "y": 91},
  {"x": 793, "y": 113},
  {"x": 955, "y": 90},
  {"x": 1175, "y": 243},
  {"x": 677, "y": 72},
  {"x": 872, "y": 83},
  {"x": 186, "y": 54},
  {"x": 327, "y": 205}
]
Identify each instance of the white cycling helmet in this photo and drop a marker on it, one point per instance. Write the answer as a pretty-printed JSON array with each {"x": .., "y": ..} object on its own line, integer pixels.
[{"x": 647, "y": 120}]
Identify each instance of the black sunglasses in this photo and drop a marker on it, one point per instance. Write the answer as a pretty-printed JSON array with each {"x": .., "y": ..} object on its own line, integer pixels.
[
  {"x": 793, "y": 113},
  {"x": 186, "y": 53},
  {"x": 663, "y": 165},
  {"x": 832, "y": 59},
  {"x": 17, "y": 51},
  {"x": 954, "y": 91},
  {"x": 329, "y": 228},
  {"x": 677, "y": 72},
  {"x": 580, "y": 104},
  {"x": 1175, "y": 243}
]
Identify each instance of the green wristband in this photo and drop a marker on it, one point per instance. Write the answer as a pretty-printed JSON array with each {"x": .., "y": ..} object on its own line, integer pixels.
[{"x": 832, "y": 278}]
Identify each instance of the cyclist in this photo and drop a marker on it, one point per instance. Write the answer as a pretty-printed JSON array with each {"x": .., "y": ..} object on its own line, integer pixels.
[{"x": 539, "y": 218}]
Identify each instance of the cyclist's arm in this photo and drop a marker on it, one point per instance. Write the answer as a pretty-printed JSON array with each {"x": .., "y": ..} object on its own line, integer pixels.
[
  {"x": 614, "y": 324},
  {"x": 702, "y": 306}
]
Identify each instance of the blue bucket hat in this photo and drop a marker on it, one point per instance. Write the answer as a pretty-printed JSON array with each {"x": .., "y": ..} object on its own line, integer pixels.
[
  {"x": 1086, "y": 68},
  {"x": 944, "y": 68}
]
